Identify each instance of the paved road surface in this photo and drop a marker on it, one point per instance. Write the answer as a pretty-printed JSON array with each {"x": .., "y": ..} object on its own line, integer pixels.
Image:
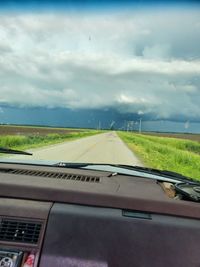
[{"x": 101, "y": 148}]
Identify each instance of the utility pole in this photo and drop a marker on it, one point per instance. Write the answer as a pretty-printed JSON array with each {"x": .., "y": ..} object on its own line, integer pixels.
[{"x": 140, "y": 126}]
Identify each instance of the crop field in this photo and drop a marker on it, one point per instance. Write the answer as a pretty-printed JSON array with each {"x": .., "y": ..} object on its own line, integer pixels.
[
  {"x": 31, "y": 130},
  {"x": 166, "y": 153},
  {"x": 192, "y": 137},
  {"x": 25, "y": 137}
]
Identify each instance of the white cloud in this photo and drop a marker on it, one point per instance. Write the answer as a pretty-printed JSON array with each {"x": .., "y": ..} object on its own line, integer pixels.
[{"x": 132, "y": 62}]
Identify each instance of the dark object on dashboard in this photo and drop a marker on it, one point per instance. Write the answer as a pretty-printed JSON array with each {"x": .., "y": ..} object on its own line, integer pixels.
[{"x": 189, "y": 191}]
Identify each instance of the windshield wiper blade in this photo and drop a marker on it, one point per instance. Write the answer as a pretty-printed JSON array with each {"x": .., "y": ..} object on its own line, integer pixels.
[
  {"x": 164, "y": 173},
  {"x": 13, "y": 151}
]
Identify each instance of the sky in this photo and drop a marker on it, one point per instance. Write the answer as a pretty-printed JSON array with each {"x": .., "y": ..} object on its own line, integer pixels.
[{"x": 140, "y": 61}]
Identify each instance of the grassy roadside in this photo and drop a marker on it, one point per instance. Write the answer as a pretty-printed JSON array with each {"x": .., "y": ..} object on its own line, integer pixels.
[
  {"x": 23, "y": 142},
  {"x": 182, "y": 144},
  {"x": 182, "y": 156}
]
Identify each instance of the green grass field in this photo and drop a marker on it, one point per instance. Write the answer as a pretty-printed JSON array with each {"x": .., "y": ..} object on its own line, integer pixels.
[
  {"x": 179, "y": 155},
  {"x": 23, "y": 142}
]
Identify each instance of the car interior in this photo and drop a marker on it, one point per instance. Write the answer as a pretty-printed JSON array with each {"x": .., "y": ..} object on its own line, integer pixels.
[{"x": 54, "y": 216}]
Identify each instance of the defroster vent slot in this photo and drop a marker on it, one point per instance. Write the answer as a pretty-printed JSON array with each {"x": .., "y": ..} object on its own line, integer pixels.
[{"x": 55, "y": 175}]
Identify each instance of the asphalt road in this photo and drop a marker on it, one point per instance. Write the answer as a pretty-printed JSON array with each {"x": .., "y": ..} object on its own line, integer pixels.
[{"x": 101, "y": 148}]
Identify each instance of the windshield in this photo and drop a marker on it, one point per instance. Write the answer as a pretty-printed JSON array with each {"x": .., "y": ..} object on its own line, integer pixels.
[{"x": 116, "y": 82}]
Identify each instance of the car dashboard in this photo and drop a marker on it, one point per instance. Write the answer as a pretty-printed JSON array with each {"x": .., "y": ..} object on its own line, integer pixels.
[{"x": 55, "y": 217}]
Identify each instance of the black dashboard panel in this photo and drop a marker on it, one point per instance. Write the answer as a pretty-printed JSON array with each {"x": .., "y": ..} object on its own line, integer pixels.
[{"x": 80, "y": 236}]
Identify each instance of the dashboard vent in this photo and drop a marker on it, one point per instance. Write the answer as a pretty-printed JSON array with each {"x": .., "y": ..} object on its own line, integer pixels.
[
  {"x": 19, "y": 231},
  {"x": 55, "y": 175}
]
